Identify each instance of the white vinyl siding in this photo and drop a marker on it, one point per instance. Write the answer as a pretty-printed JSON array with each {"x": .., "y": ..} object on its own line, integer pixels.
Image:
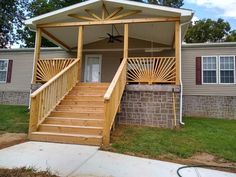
[{"x": 3, "y": 70}]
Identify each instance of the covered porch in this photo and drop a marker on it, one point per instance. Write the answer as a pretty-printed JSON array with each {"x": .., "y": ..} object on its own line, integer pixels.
[{"x": 110, "y": 41}]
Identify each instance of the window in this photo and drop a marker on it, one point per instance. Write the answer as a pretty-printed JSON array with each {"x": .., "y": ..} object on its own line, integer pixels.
[
  {"x": 227, "y": 68},
  {"x": 209, "y": 70},
  {"x": 216, "y": 69},
  {"x": 3, "y": 70}
]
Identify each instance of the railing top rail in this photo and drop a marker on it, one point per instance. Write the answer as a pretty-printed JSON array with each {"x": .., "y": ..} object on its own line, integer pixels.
[
  {"x": 57, "y": 59},
  {"x": 149, "y": 57},
  {"x": 111, "y": 87},
  {"x": 34, "y": 94}
]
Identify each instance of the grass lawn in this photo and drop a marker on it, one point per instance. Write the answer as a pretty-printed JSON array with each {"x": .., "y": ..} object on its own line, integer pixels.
[
  {"x": 213, "y": 136},
  {"x": 13, "y": 119}
]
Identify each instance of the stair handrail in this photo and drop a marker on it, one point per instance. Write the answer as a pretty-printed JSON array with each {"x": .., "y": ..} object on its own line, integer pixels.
[
  {"x": 112, "y": 99},
  {"x": 49, "y": 95}
]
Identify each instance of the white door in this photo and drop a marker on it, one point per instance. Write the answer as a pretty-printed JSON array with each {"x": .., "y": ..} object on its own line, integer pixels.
[{"x": 93, "y": 68}]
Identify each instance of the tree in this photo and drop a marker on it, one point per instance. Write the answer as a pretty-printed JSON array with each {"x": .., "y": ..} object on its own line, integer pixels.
[
  {"x": 207, "y": 30},
  {"x": 39, "y": 7},
  {"x": 11, "y": 17},
  {"x": 170, "y": 3},
  {"x": 231, "y": 37}
]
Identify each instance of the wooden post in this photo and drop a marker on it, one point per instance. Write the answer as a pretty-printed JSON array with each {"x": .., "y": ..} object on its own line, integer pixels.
[
  {"x": 80, "y": 51},
  {"x": 126, "y": 41},
  {"x": 36, "y": 53},
  {"x": 33, "y": 121},
  {"x": 177, "y": 51}
]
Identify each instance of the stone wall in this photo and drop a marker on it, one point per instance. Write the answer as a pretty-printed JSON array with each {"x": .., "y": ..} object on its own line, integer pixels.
[
  {"x": 14, "y": 98},
  {"x": 149, "y": 105},
  {"x": 210, "y": 106}
]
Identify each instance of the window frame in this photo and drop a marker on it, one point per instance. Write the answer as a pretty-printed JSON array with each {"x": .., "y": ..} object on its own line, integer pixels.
[
  {"x": 219, "y": 57},
  {"x": 217, "y": 68},
  {"x": 3, "y": 82}
]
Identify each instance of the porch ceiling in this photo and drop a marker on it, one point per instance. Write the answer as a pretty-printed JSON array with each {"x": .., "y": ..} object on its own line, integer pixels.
[{"x": 161, "y": 32}]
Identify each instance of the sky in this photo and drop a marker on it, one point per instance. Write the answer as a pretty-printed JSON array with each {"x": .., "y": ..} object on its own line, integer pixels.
[{"x": 213, "y": 9}]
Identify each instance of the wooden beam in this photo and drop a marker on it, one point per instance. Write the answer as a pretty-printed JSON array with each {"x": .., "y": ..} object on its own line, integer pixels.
[
  {"x": 107, "y": 12},
  {"x": 38, "y": 39},
  {"x": 114, "y": 13},
  {"x": 132, "y": 12},
  {"x": 104, "y": 11},
  {"x": 81, "y": 17},
  {"x": 107, "y": 22},
  {"x": 92, "y": 14},
  {"x": 80, "y": 50},
  {"x": 55, "y": 39},
  {"x": 177, "y": 51},
  {"x": 126, "y": 41}
]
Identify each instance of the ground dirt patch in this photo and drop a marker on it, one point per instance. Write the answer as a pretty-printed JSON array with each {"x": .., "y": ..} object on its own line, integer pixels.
[
  {"x": 10, "y": 139},
  {"x": 24, "y": 172},
  {"x": 203, "y": 159}
]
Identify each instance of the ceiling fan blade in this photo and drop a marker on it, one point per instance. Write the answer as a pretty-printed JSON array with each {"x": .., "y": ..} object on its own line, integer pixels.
[
  {"x": 119, "y": 40},
  {"x": 110, "y": 35},
  {"x": 118, "y": 36}
]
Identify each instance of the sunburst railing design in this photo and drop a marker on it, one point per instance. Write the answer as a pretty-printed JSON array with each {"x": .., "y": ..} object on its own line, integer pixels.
[
  {"x": 47, "y": 68},
  {"x": 151, "y": 70}
]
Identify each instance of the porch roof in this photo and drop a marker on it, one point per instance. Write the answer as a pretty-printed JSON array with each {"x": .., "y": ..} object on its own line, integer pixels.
[{"x": 161, "y": 32}]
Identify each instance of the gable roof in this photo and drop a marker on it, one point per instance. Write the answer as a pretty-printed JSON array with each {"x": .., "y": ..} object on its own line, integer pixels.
[{"x": 162, "y": 31}]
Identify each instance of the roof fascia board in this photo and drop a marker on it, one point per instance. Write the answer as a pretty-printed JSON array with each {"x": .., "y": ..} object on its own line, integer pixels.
[
  {"x": 59, "y": 11},
  {"x": 181, "y": 12},
  {"x": 210, "y": 45}
]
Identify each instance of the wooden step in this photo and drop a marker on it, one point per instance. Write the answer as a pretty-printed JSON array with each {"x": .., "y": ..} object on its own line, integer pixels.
[
  {"x": 83, "y": 103},
  {"x": 84, "y": 98},
  {"x": 90, "y": 88},
  {"x": 79, "y": 94},
  {"x": 92, "y": 115},
  {"x": 95, "y": 84},
  {"x": 78, "y": 108},
  {"x": 66, "y": 138},
  {"x": 70, "y": 129},
  {"x": 74, "y": 121},
  {"x": 87, "y": 92}
]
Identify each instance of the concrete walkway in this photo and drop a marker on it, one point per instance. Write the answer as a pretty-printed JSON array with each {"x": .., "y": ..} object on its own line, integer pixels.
[{"x": 88, "y": 161}]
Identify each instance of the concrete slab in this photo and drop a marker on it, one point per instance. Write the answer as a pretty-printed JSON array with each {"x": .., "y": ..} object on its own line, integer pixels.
[
  {"x": 107, "y": 164},
  {"x": 59, "y": 158},
  {"x": 88, "y": 161}
]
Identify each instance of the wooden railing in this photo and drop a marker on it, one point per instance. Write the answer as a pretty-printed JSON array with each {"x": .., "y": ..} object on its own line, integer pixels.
[
  {"x": 46, "y": 98},
  {"x": 49, "y": 67},
  {"x": 112, "y": 99},
  {"x": 151, "y": 70}
]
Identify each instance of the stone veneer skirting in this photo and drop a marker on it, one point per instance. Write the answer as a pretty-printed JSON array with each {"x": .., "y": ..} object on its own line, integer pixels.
[
  {"x": 14, "y": 98},
  {"x": 210, "y": 106},
  {"x": 149, "y": 105}
]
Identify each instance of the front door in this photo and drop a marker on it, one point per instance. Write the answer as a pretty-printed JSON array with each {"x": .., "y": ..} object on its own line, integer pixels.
[{"x": 93, "y": 68}]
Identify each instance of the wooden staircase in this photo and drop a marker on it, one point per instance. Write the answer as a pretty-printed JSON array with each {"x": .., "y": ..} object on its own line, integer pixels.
[{"x": 77, "y": 119}]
